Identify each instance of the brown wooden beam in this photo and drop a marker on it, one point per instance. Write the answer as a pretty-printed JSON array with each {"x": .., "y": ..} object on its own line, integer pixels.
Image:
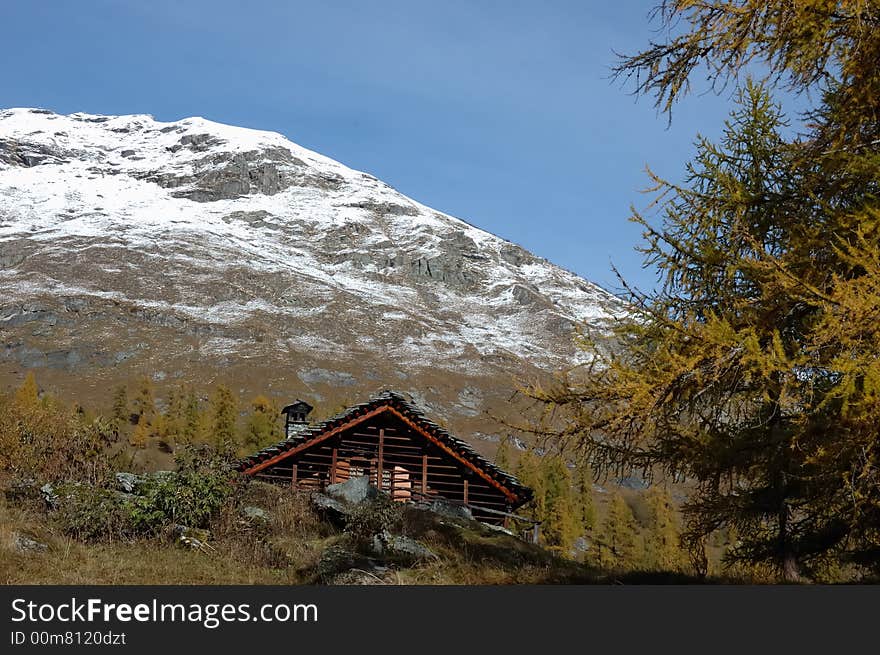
[
  {"x": 381, "y": 453},
  {"x": 425, "y": 474}
]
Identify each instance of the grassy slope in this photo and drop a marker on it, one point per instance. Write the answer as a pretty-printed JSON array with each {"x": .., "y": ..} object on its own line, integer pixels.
[{"x": 286, "y": 550}]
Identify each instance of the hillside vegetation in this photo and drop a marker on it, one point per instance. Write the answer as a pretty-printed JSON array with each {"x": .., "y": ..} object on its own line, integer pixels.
[{"x": 82, "y": 503}]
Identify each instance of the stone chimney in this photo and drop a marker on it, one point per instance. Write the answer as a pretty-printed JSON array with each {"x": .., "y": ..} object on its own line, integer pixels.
[{"x": 295, "y": 420}]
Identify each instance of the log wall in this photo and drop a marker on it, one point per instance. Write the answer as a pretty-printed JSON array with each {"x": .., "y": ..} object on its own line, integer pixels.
[{"x": 398, "y": 460}]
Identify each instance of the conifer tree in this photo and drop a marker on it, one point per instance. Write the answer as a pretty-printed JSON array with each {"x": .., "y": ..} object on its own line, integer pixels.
[
  {"x": 174, "y": 417},
  {"x": 823, "y": 258},
  {"x": 141, "y": 432},
  {"x": 708, "y": 378},
  {"x": 502, "y": 455},
  {"x": 752, "y": 368},
  {"x": 663, "y": 550},
  {"x": 562, "y": 523},
  {"x": 144, "y": 401},
  {"x": 617, "y": 540},
  {"x": 121, "y": 412},
  {"x": 528, "y": 470},
  {"x": 192, "y": 430},
  {"x": 584, "y": 496},
  {"x": 161, "y": 428},
  {"x": 224, "y": 417},
  {"x": 262, "y": 426},
  {"x": 28, "y": 394}
]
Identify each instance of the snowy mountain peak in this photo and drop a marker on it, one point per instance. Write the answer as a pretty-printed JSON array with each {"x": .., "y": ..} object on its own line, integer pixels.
[{"x": 238, "y": 244}]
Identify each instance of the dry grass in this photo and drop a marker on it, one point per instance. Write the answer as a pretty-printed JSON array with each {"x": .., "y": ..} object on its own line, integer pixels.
[
  {"x": 291, "y": 541},
  {"x": 67, "y": 561},
  {"x": 286, "y": 549}
]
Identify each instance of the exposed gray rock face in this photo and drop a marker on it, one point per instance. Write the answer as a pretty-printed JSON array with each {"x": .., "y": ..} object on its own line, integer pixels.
[
  {"x": 338, "y": 378},
  {"x": 635, "y": 482},
  {"x": 222, "y": 178},
  {"x": 28, "y": 154},
  {"x": 49, "y": 495},
  {"x": 381, "y": 208}
]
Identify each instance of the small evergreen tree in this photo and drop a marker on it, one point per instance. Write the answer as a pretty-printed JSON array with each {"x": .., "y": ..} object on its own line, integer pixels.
[
  {"x": 224, "y": 417},
  {"x": 192, "y": 430},
  {"x": 262, "y": 427},
  {"x": 141, "y": 432},
  {"x": 174, "y": 417},
  {"x": 663, "y": 550},
  {"x": 528, "y": 470},
  {"x": 28, "y": 394},
  {"x": 144, "y": 401},
  {"x": 502, "y": 455},
  {"x": 120, "y": 411},
  {"x": 562, "y": 523},
  {"x": 584, "y": 495},
  {"x": 617, "y": 538}
]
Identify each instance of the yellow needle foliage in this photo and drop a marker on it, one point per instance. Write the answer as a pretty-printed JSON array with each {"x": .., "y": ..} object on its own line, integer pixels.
[{"x": 752, "y": 370}]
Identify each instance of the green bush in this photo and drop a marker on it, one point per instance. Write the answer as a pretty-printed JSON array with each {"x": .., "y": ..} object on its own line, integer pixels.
[
  {"x": 190, "y": 496},
  {"x": 373, "y": 518},
  {"x": 91, "y": 513}
]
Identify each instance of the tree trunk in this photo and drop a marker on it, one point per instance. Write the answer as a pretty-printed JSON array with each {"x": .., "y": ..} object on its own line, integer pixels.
[
  {"x": 787, "y": 560},
  {"x": 790, "y": 569}
]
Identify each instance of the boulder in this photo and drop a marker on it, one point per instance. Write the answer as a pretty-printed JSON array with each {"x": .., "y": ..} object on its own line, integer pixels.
[
  {"x": 334, "y": 510},
  {"x": 49, "y": 495},
  {"x": 335, "y": 560},
  {"x": 128, "y": 482},
  {"x": 255, "y": 514},
  {"x": 450, "y": 510},
  {"x": 399, "y": 546},
  {"x": 24, "y": 544},
  {"x": 353, "y": 491}
]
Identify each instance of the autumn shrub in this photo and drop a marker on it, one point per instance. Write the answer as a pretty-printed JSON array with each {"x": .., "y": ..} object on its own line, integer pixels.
[{"x": 42, "y": 439}]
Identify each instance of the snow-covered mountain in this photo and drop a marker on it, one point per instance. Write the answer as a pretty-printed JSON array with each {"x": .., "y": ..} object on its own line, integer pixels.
[{"x": 130, "y": 245}]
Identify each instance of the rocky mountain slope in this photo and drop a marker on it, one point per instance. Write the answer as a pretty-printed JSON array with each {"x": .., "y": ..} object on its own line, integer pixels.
[{"x": 194, "y": 251}]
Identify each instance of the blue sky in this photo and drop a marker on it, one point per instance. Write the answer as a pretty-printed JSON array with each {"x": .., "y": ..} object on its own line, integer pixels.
[{"x": 500, "y": 113}]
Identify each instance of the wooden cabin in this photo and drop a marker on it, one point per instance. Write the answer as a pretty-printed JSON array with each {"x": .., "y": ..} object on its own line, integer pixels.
[{"x": 390, "y": 440}]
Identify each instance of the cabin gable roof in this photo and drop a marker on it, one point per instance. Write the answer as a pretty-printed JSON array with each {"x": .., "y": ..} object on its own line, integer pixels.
[{"x": 409, "y": 414}]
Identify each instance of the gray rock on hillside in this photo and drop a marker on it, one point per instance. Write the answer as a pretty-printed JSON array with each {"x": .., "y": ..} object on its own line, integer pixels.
[
  {"x": 335, "y": 510},
  {"x": 353, "y": 491},
  {"x": 24, "y": 544},
  {"x": 128, "y": 482},
  {"x": 401, "y": 547}
]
